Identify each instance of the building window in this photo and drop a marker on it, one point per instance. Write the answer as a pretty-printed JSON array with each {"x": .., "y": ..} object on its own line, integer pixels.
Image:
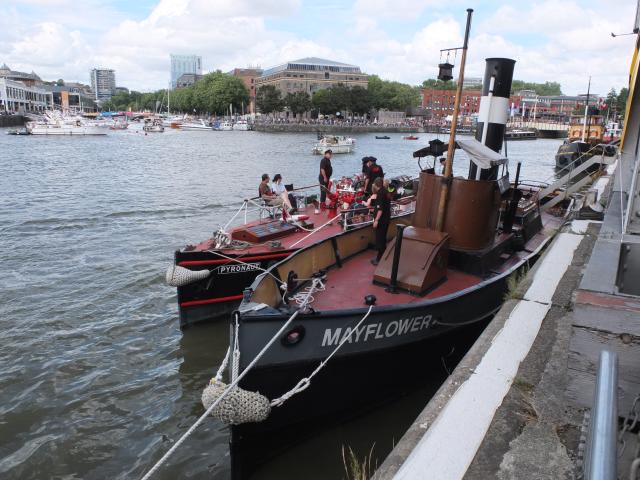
[{"x": 326, "y": 75}]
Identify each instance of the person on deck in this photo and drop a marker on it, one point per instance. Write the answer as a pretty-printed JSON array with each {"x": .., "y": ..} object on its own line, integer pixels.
[
  {"x": 326, "y": 170},
  {"x": 443, "y": 161},
  {"x": 381, "y": 217},
  {"x": 270, "y": 198},
  {"x": 373, "y": 171},
  {"x": 279, "y": 189}
]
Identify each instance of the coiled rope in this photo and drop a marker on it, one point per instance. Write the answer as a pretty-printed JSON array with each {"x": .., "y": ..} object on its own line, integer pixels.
[{"x": 224, "y": 394}]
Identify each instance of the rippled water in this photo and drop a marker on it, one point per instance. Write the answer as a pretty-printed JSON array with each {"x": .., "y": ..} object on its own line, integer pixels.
[{"x": 96, "y": 379}]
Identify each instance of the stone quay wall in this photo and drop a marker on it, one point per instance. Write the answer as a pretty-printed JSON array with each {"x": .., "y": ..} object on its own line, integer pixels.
[{"x": 332, "y": 129}]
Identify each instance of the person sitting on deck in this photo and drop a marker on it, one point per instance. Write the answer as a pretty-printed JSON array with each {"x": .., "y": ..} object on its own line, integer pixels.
[
  {"x": 269, "y": 197},
  {"x": 281, "y": 190}
]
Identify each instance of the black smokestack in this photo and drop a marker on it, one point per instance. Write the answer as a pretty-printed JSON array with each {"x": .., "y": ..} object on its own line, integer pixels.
[{"x": 494, "y": 110}]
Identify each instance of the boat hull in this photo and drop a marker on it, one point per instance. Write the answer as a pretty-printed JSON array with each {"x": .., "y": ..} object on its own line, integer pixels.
[
  {"x": 381, "y": 361},
  {"x": 219, "y": 294},
  {"x": 319, "y": 150},
  {"x": 67, "y": 131}
]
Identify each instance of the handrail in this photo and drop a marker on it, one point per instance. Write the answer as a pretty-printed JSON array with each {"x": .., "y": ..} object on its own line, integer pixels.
[
  {"x": 288, "y": 191},
  {"x": 601, "y": 452}
]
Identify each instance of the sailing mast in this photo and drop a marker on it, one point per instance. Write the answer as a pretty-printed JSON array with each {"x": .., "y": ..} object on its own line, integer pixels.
[
  {"x": 448, "y": 168},
  {"x": 586, "y": 109}
]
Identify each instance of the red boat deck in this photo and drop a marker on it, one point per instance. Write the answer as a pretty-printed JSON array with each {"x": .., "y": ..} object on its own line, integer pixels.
[
  {"x": 349, "y": 285},
  {"x": 317, "y": 219}
]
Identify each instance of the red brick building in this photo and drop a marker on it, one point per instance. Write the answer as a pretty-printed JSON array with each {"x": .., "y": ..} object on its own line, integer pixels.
[
  {"x": 440, "y": 102},
  {"x": 248, "y": 76}
]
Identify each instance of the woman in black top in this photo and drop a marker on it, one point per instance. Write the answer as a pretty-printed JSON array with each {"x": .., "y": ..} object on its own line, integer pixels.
[
  {"x": 325, "y": 175},
  {"x": 381, "y": 217}
]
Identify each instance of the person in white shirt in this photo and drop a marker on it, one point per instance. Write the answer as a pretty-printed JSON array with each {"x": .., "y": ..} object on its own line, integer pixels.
[{"x": 280, "y": 190}]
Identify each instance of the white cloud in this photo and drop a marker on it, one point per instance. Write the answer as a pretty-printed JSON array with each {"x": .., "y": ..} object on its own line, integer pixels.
[{"x": 565, "y": 42}]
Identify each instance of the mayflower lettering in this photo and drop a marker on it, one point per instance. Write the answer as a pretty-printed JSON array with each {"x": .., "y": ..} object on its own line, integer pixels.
[{"x": 376, "y": 331}]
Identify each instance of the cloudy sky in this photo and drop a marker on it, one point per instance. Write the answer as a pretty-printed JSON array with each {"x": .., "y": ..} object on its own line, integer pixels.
[{"x": 564, "y": 41}]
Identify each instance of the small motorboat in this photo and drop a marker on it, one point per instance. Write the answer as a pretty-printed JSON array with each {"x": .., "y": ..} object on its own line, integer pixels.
[
  {"x": 153, "y": 125},
  {"x": 517, "y": 134},
  {"x": 18, "y": 131},
  {"x": 201, "y": 125},
  {"x": 335, "y": 143},
  {"x": 382, "y": 137},
  {"x": 410, "y": 137}
]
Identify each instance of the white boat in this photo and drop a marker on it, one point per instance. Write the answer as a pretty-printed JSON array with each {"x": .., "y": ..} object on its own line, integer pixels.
[
  {"x": 335, "y": 143},
  {"x": 241, "y": 125},
  {"x": 153, "y": 125},
  {"x": 201, "y": 125},
  {"x": 54, "y": 123},
  {"x": 225, "y": 126}
]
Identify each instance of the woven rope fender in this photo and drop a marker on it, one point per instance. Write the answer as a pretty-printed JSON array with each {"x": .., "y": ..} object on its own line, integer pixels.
[
  {"x": 178, "y": 276},
  {"x": 239, "y": 406}
]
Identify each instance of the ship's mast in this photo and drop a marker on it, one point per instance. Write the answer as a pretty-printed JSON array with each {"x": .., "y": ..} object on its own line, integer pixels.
[
  {"x": 586, "y": 109},
  {"x": 448, "y": 168}
]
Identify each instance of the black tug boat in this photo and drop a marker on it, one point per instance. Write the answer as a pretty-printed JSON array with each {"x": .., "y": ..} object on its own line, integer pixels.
[{"x": 445, "y": 273}]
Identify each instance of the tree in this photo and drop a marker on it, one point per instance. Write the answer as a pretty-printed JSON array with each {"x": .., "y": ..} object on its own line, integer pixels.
[
  {"x": 389, "y": 95},
  {"x": 546, "y": 88},
  {"x": 60, "y": 82},
  {"x": 268, "y": 99},
  {"x": 217, "y": 91},
  {"x": 359, "y": 100},
  {"x": 439, "y": 84},
  {"x": 322, "y": 101},
  {"x": 298, "y": 102},
  {"x": 622, "y": 101}
]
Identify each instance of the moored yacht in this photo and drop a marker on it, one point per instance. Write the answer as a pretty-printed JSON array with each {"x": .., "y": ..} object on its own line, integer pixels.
[{"x": 335, "y": 143}]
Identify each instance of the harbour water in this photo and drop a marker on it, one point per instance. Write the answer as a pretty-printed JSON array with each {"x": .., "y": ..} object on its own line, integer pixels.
[{"x": 96, "y": 378}]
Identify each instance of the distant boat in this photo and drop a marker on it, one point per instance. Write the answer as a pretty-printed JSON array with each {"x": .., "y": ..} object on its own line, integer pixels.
[
  {"x": 201, "y": 125},
  {"x": 18, "y": 131},
  {"x": 54, "y": 123},
  {"x": 410, "y": 137},
  {"x": 335, "y": 143},
  {"x": 516, "y": 134},
  {"x": 382, "y": 137},
  {"x": 241, "y": 125},
  {"x": 153, "y": 125},
  {"x": 225, "y": 126}
]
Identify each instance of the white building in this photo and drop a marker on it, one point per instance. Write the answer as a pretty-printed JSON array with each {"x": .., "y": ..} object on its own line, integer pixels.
[
  {"x": 103, "y": 83},
  {"x": 17, "y": 97},
  {"x": 181, "y": 64}
]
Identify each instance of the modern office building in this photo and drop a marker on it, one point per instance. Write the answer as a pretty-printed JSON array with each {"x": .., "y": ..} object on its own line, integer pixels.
[
  {"x": 103, "y": 83},
  {"x": 249, "y": 77},
  {"x": 181, "y": 64},
  {"x": 310, "y": 75}
]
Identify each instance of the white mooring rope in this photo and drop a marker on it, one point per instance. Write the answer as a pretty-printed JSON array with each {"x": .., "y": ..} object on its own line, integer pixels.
[{"x": 231, "y": 386}]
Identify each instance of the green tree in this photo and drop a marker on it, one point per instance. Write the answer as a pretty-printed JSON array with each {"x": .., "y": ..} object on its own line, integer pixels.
[
  {"x": 322, "y": 101},
  {"x": 439, "y": 84},
  {"x": 268, "y": 99},
  {"x": 359, "y": 100},
  {"x": 60, "y": 82},
  {"x": 546, "y": 88},
  {"x": 217, "y": 91},
  {"x": 622, "y": 101},
  {"x": 390, "y": 95},
  {"x": 298, "y": 102}
]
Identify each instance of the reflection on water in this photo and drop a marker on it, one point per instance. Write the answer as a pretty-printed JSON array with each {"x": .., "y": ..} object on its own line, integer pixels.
[{"x": 96, "y": 378}]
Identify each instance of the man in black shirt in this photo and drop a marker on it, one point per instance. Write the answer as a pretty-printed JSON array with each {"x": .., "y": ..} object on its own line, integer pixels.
[
  {"x": 373, "y": 171},
  {"x": 381, "y": 217},
  {"x": 325, "y": 175}
]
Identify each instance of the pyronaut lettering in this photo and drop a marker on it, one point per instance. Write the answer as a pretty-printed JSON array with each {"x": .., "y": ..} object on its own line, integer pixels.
[
  {"x": 241, "y": 268},
  {"x": 376, "y": 331}
]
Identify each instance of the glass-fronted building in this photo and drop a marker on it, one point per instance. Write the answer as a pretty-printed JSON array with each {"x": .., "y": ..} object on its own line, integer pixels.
[{"x": 181, "y": 64}]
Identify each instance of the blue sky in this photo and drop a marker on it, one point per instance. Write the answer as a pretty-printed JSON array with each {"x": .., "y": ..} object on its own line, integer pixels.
[{"x": 396, "y": 39}]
